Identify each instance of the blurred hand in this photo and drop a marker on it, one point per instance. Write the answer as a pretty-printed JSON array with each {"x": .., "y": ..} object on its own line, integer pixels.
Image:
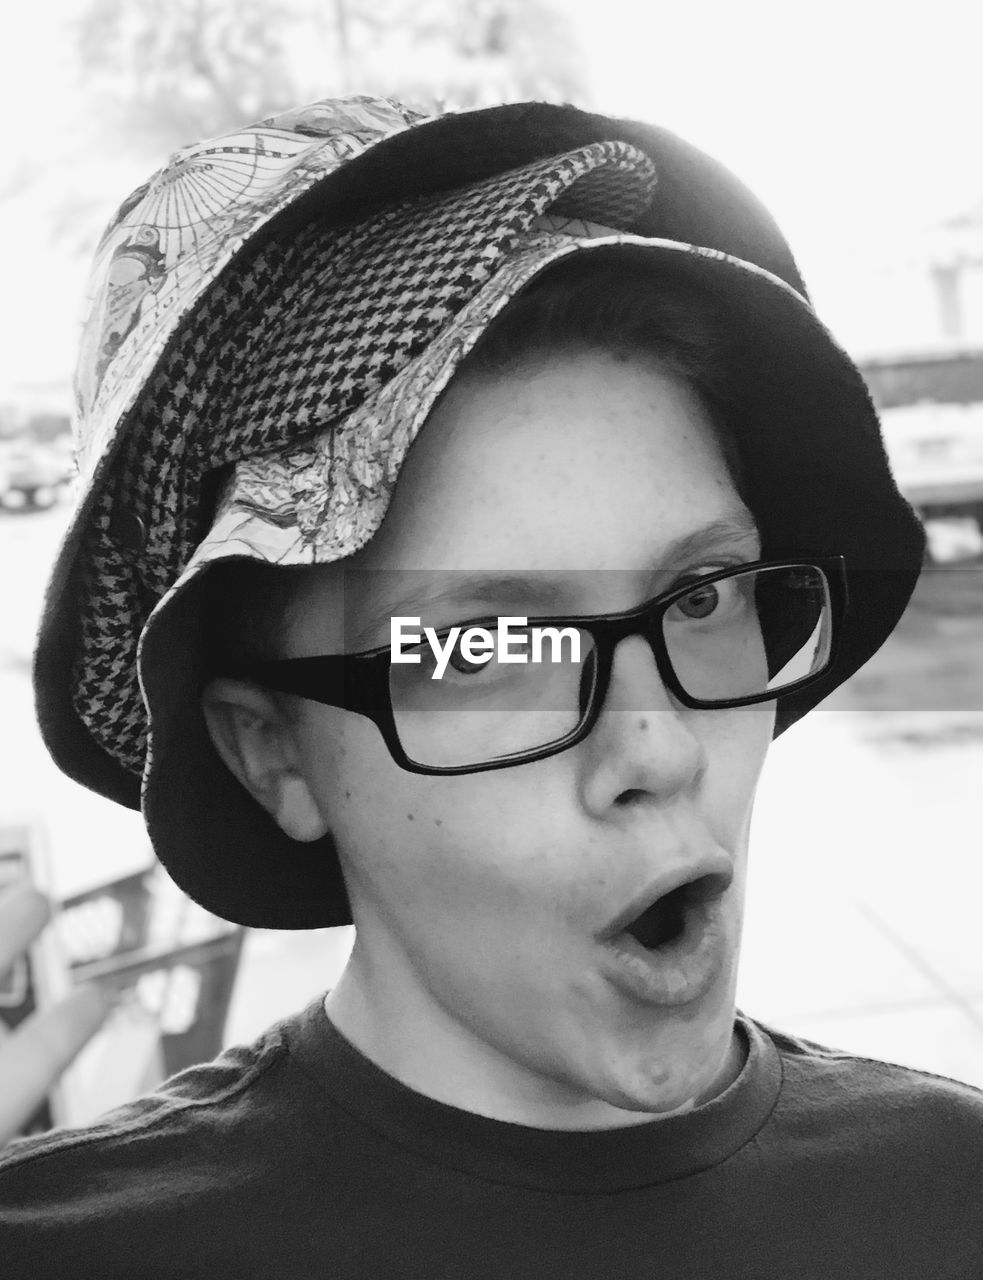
[{"x": 34, "y": 1055}]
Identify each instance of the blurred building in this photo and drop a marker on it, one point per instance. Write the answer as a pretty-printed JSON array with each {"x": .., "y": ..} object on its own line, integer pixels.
[
  {"x": 914, "y": 289},
  {"x": 931, "y": 405},
  {"x": 909, "y": 308}
]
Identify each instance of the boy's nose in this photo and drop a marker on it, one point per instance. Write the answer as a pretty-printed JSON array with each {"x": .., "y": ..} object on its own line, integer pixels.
[{"x": 643, "y": 744}]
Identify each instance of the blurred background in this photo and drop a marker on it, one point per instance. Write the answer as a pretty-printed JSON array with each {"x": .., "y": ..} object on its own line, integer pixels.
[{"x": 858, "y": 125}]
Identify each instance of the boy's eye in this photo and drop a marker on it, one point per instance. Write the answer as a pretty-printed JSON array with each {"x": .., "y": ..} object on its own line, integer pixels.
[
  {"x": 520, "y": 644},
  {"x": 464, "y": 665},
  {"x": 701, "y": 602},
  {"x": 716, "y": 600}
]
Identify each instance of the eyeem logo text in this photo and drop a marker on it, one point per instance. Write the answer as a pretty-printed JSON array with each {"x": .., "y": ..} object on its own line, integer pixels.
[{"x": 513, "y": 640}]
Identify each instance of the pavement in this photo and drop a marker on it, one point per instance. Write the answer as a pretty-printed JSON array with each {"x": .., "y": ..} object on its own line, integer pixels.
[
  {"x": 866, "y": 877},
  {"x": 862, "y": 928}
]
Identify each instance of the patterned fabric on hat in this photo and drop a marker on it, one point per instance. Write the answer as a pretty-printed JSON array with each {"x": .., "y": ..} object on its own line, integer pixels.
[
  {"x": 283, "y": 348},
  {"x": 173, "y": 236},
  {"x": 322, "y": 500}
]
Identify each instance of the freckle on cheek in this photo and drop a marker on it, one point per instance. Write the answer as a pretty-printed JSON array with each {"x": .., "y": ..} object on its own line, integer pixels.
[
  {"x": 348, "y": 795},
  {"x": 438, "y": 822},
  {"x": 409, "y": 817}
]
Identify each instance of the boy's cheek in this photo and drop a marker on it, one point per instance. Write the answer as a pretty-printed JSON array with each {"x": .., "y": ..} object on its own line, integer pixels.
[
  {"x": 432, "y": 842},
  {"x": 511, "y": 843},
  {"x": 344, "y": 760}
]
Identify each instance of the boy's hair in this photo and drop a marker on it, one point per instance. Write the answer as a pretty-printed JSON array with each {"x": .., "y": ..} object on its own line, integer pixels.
[
  {"x": 625, "y": 305},
  {"x": 616, "y": 302}
]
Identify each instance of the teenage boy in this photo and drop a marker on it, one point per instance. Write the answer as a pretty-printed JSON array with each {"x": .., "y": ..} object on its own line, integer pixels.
[{"x": 523, "y": 363}]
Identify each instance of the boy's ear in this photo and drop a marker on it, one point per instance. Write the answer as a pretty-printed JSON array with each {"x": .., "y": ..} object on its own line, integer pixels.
[{"x": 255, "y": 739}]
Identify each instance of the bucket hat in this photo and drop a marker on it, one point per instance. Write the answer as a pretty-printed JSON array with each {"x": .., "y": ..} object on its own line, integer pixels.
[{"x": 278, "y": 310}]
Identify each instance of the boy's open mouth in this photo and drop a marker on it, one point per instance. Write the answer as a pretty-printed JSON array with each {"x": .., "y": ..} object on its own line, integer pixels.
[
  {"x": 664, "y": 921},
  {"x": 670, "y": 944}
]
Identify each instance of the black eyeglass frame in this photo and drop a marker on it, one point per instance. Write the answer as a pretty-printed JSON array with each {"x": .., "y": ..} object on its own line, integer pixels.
[{"x": 359, "y": 682}]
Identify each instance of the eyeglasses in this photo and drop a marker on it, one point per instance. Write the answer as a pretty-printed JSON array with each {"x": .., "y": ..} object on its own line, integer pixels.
[{"x": 731, "y": 638}]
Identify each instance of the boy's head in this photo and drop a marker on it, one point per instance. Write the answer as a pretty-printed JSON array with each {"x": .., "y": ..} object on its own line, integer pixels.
[
  {"x": 577, "y": 464},
  {"x": 404, "y": 362}
]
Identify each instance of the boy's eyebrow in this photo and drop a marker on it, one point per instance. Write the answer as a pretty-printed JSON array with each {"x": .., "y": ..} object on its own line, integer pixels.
[
  {"x": 541, "y": 587},
  {"x": 737, "y": 526}
]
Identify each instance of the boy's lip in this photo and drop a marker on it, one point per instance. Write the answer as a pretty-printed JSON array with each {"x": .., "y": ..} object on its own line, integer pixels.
[
  {"x": 710, "y": 874},
  {"x": 678, "y": 973}
]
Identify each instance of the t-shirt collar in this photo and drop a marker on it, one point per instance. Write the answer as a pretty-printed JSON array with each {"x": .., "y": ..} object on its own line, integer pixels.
[{"x": 575, "y": 1161}]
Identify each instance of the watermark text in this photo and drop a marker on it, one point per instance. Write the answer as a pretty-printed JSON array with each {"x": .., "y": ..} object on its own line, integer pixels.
[{"x": 512, "y": 641}]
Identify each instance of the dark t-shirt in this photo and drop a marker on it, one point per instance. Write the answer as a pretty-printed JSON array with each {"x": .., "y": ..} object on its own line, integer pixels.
[{"x": 297, "y": 1157}]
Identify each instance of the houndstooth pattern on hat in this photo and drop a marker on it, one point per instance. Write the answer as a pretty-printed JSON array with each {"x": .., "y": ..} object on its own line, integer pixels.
[{"x": 282, "y": 348}]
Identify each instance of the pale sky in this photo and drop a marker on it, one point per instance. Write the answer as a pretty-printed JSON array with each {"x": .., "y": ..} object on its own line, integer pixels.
[
  {"x": 852, "y": 120},
  {"x": 841, "y": 113}
]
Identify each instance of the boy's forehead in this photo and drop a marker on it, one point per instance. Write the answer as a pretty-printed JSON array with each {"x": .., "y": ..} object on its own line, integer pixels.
[
  {"x": 513, "y": 468},
  {"x": 571, "y": 487},
  {"x": 734, "y": 529},
  {"x": 365, "y": 598}
]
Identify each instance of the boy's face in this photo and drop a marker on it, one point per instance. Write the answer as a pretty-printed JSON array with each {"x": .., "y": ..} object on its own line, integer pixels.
[{"x": 484, "y": 971}]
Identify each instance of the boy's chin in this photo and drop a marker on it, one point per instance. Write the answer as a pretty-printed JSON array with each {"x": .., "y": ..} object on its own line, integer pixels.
[{"x": 672, "y": 1080}]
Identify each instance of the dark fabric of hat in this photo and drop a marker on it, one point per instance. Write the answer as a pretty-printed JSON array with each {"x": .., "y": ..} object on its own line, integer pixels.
[{"x": 283, "y": 347}]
